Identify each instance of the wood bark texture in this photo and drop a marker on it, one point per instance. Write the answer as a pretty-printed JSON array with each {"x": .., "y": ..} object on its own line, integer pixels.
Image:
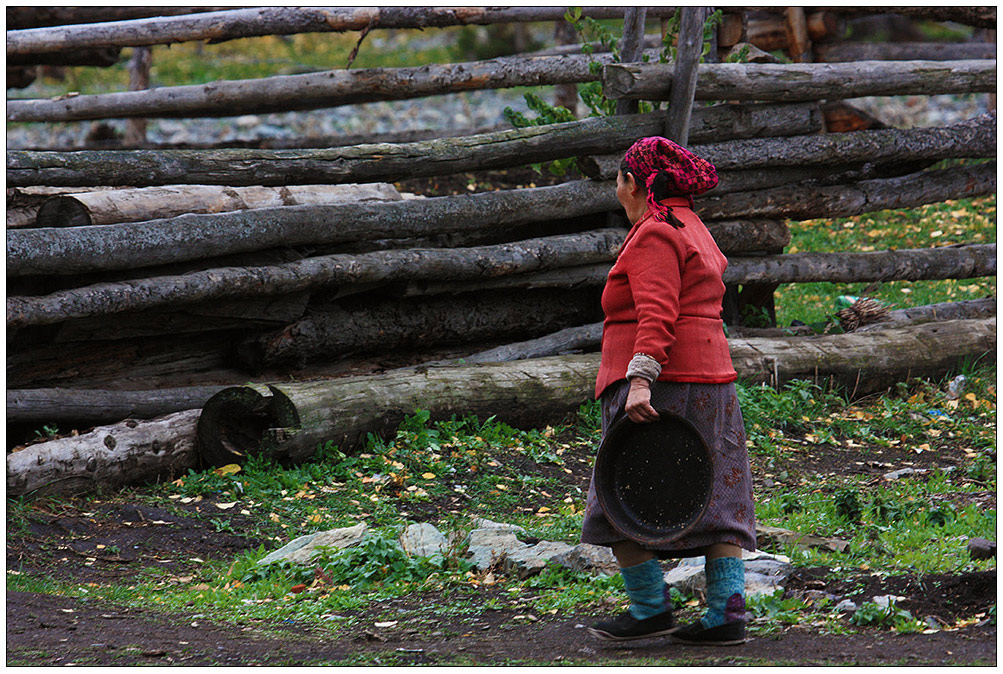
[
  {"x": 942, "y": 311},
  {"x": 109, "y": 457},
  {"x": 388, "y": 326},
  {"x": 99, "y": 406},
  {"x": 804, "y": 201},
  {"x": 804, "y": 81},
  {"x": 684, "y": 75},
  {"x": 154, "y": 203},
  {"x": 219, "y": 26},
  {"x": 393, "y": 162},
  {"x": 332, "y": 88},
  {"x": 631, "y": 48},
  {"x": 99, "y": 58},
  {"x": 331, "y": 270},
  {"x": 20, "y": 18},
  {"x": 290, "y": 421},
  {"x": 844, "y": 52},
  {"x": 980, "y": 17}
]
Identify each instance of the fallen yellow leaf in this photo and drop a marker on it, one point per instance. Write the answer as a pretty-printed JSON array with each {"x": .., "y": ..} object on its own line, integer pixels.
[{"x": 428, "y": 476}]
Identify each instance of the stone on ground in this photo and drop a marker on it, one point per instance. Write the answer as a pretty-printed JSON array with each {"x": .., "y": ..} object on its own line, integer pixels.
[
  {"x": 423, "y": 540},
  {"x": 301, "y": 550},
  {"x": 764, "y": 573}
]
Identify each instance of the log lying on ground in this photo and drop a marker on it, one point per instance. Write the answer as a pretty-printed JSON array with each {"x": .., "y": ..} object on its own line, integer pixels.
[
  {"x": 393, "y": 162},
  {"x": 284, "y": 93},
  {"x": 804, "y": 81},
  {"x": 388, "y": 326},
  {"x": 19, "y": 18},
  {"x": 152, "y": 203},
  {"x": 569, "y": 340},
  {"x": 942, "y": 311},
  {"x": 331, "y": 270},
  {"x": 843, "y": 52},
  {"x": 980, "y": 17},
  {"x": 290, "y": 421},
  {"x": 805, "y": 201},
  {"x": 233, "y": 24},
  {"x": 108, "y": 457},
  {"x": 98, "y": 406}
]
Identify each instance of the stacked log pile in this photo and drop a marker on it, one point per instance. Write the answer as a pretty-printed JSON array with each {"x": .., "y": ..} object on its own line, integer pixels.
[{"x": 185, "y": 272}]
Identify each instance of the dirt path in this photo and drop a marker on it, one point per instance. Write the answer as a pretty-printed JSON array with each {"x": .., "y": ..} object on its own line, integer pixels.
[{"x": 50, "y": 630}]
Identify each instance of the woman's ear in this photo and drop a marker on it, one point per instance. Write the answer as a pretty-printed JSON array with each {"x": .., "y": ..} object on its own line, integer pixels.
[{"x": 633, "y": 184}]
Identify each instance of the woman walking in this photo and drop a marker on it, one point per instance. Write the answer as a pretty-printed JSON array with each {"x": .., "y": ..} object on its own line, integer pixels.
[{"x": 664, "y": 346}]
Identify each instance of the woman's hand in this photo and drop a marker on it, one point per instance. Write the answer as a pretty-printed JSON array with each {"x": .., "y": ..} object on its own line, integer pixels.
[{"x": 638, "y": 406}]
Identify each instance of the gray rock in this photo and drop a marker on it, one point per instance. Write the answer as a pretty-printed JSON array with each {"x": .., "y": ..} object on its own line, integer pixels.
[
  {"x": 981, "y": 548},
  {"x": 482, "y": 523},
  {"x": 301, "y": 550},
  {"x": 846, "y": 606},
  {"x": 886, "y": 599},
  {"x": 423, "y": 540},
  {"x": 488, "y": 547},
  {"x": 764, "y": 573},
  {"x": 902, "y": 472},
  {"x": 531, "y": 559},
  {"x": 589, "y": 558}
]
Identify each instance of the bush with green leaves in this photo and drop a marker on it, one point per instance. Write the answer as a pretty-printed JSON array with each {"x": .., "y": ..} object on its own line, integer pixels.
[{"x": 890, "y": 615}]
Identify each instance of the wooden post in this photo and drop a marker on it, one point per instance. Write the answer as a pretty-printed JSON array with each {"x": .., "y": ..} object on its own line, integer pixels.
[
  {"x": 139, "y": 78},
  {"x": 631, "y": 48},
  {"x": 566, "y": 94},
  {"x": 684, "y": 80},
  {"x": 798, "y": 41},
  {"x": 712, "y": 52}
]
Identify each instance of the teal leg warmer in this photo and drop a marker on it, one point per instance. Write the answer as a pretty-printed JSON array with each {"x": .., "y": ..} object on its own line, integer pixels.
[
  {"x": 645, "y": 585},
  {"x": 725, "y": 591}
]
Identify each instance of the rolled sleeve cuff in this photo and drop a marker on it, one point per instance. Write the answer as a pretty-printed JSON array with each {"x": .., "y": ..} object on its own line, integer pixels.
[{"x": 644, "y": 366}]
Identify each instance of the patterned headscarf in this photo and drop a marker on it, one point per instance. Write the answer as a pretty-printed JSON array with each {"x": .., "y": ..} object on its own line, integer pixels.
[{"x": 657, "y": 160}]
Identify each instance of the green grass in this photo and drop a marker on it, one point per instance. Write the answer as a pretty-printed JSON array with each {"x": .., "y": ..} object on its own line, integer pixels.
[{"x": 941, "y": 224}]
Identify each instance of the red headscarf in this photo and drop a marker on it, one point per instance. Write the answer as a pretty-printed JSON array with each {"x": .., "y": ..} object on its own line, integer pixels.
[{"x": 655, "y": 159}]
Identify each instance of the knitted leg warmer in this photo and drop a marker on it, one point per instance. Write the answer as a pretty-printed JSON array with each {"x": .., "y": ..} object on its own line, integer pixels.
[
  {"x": 645, "y": 585},
  {"x": 725, "y": 591}
]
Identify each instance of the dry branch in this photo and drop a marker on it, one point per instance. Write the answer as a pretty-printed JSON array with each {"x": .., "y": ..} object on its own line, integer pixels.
[
  {"x": 392, "y": 162},
  {"x": 804, "y": 81}
]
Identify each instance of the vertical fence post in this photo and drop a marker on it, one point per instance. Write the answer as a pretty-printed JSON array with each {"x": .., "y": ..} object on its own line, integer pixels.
[
  {"x": 139, "y": 78},
  {"x": 631, "y": 49},
  {"x": 684, "y": 77},
  {"x": 799, "y": 44},
  {"x": 566, "y": 94}
]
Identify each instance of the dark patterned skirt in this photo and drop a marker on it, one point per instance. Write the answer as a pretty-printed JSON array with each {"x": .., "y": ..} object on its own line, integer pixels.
[{"x": 713, "y": 409}]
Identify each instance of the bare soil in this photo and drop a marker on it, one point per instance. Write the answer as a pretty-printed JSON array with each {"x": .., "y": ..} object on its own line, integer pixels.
[{"x": 109, "y": 541}]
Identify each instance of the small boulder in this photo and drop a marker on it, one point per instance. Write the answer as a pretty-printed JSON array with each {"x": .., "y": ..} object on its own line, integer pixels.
[
  {"x": 488, "y": 547},
  {"x": 846, "y": 606},
  {"x": 482, "y": 523},
  {"x": 764, "y": 573},
  {"x": 531, "y": 560},
  {"x": 301, "y": 550},
  {"x": 981, "y": 548},
  {"x": 589, "y": 558},
  {"x": 423, "y": 540}
]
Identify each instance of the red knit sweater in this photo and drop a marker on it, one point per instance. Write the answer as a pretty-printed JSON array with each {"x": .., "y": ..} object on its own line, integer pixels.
[{"x": 663, "y": 299}]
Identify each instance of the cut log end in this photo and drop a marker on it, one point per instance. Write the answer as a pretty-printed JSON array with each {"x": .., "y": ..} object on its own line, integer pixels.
[{"x": 234, "y": 422}]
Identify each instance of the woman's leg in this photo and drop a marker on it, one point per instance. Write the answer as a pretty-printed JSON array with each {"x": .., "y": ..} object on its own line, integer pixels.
[
  {"x": 649, "y": 614},
  {"x": 725, "y": 573}
]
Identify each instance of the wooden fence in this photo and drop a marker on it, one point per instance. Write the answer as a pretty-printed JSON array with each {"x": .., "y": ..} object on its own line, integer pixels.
[{"x": 112, "y": 286}]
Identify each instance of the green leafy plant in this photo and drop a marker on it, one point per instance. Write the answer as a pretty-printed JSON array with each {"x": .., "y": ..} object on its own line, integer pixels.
[
  {"x": 848, "y": 505},
  {"x": 47, "y": 431},
  {"x": 890, "y": 615}
]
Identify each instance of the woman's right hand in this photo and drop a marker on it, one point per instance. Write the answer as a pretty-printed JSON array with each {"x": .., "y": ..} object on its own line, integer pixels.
[{"x": 638, "y": 407}]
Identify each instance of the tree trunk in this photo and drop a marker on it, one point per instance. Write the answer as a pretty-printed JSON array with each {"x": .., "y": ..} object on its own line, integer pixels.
[
  {"x": 388, "y": 326},
  {"x": 843, "y": 52},
  {"x": 805, "y": 201},
  {"x": 232, "y": 24},
  {"x": 290, "y": 421},
  {"x": 139, "y": 80},
  {"x": 89, "y": 406},
  {"x": 560, "y": 343},
  {"x": 329, "y": 89},
  {"x": 108, "y": 457},
  {"x": 803, "y": 81},
  {"x": 154, "y": 203},
  {"x": 390, "y": 163},
  {"x": 942, "y": 311},
  {"x": 331, "y": 270}
]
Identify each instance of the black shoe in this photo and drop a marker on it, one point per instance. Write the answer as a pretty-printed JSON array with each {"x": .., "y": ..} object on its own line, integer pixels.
[
  {"x": 728, "y": 634},
  {"x": 626, "y": 627}
]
